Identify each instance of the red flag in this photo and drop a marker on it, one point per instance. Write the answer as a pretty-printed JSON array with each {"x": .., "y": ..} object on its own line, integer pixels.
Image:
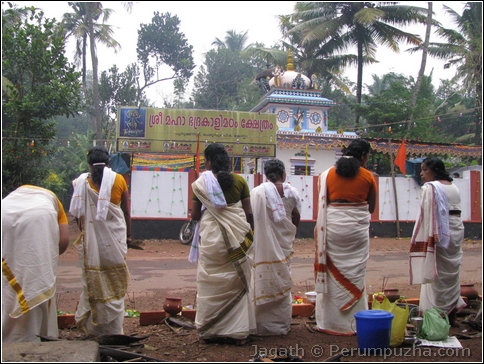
[
  {"x": 197, "y": 163},
  {"x": 401, "y": 158}
]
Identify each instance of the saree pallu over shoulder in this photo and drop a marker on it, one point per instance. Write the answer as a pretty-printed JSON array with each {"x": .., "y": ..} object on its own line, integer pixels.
[
  {"x": 228, "y": 220},
  {"x": 274, "y": 236},
  {"x": 273, "y": 251},
  {"x": 224, "y": 269},
  {"x": 425, "y": 236},
  {"x": 320, "y": 271},
  {"x": 436, "y": 251},
  {"x": 102, "y": 251}
]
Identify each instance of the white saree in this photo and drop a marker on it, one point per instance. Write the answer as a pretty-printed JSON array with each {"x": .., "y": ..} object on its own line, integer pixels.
[
  {"x": 224, "y": 307},
  {"x": 274, "y": 234},
  {"x": 102, "y": 251},
  {"x": 343, "y": 242},
  {"x": 436, "y": 248},
  {"x": 30, "y": 255}
]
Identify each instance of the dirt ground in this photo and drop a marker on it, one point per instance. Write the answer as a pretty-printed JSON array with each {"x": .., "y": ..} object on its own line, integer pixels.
[{"x": 173, "y": 343}]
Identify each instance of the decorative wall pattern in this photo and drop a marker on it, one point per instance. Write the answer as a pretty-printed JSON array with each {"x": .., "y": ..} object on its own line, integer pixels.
[
  {"x": 165, "y": 194},
  {"x": 155, "y": 193}
]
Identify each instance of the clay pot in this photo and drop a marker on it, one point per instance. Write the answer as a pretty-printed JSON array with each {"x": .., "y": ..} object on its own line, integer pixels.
[
  {"x": 468, "y": 290},
  {"x": 392, "y": 294},
  {"x": 173, "y": 306}
]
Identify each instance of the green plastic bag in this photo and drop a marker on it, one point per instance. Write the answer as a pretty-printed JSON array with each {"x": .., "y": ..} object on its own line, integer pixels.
[
  {"x": 399, "y": 322},
  {"x": 435, "y": 325}
]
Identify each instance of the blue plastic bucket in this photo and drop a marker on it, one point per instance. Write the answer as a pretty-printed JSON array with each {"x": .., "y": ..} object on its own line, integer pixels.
[{"x": 373, "y": 329}]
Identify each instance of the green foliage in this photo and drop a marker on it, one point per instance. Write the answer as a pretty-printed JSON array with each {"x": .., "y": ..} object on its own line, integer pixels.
[
  {"x": 56, "y": 183},
  {"x": 233, "y": 41},
  {"x": 339, "y": 25},
  {"x": 76, "y": 24},
  {"x": 382, "y": 164},
  {"x": 248, "y": 95},
  {"x": 68, "y": 161},
  {"x": 341, "y": 115},
  {"x": 162, "y": 43},
  {"x": 43, "y": 85},
  {"x": 226, "y": 80},
  {"x": 115, "y": 89},
  {"x": 67, "y": 128},
  {"x": 464, "y": 51},
  {"x": 87, "y": 22},
  {"x": 75, "y": 154},
  {"x": 219, "y": 83},
  {"x": 387, "y": 111},
  {"x": 457, "y": 112}
]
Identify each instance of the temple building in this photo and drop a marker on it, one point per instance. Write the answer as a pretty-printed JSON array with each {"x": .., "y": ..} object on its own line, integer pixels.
[{"x": 304, "y": 143}]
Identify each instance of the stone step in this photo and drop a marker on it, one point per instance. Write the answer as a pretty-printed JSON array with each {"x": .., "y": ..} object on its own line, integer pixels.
[{"x": 51, "y": 352}]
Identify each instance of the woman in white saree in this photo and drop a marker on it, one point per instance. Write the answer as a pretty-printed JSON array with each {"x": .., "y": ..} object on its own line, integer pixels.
[
  {"x": 276, "y": 205},
  {"x": 347, "y": 197},
  {"x": 224, "y": 307},
  {"x": 436, "y": 244},
  {"x": 35, "y": 232},
  {"x": 100, "y": 203}
]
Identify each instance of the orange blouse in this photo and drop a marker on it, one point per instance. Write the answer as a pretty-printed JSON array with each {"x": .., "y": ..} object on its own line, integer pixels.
[
  {"x": 119, "y": 187},
  {"x": 354, "y": 189}
]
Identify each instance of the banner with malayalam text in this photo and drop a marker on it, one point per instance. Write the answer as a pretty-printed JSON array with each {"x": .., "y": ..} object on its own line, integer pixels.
[{"x": 176, "y": 131}]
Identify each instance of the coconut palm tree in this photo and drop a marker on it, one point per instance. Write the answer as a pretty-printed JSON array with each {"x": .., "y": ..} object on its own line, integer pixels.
[
  {"x": 84, "y": 24},
  {"x": 464, "y": 50},
  {"x": 311, "y": 58},
  {"x": 423, "y": 63},
  {"x": 75, "y": 24},
  {"x": 233, "y": 41},
  {"x": 379, "y": 84},
  {"x": 363, "y": 24},
  {"x": 14, "y": 14}
]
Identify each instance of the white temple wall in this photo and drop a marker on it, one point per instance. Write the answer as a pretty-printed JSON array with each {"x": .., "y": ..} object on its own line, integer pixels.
[{"x": 166, "y": 195}]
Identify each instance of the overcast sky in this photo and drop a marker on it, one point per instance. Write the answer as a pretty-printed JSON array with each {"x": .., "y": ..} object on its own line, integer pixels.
[{"x": 202, "y": 22}]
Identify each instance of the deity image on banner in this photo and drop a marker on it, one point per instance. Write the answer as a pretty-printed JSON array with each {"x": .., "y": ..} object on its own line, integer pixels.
[{"x": 133, "y": 123}]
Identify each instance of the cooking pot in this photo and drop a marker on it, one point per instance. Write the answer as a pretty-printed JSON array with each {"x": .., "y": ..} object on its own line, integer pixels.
[
  {"x": 410, "y": 338},
  {"x": 413, "y": 310}
]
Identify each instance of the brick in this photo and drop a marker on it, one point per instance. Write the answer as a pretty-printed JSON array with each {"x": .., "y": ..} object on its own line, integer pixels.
[
  {"x": 151, "y": 317},
  {"x": 66, "y": 321},
  {"x": 189, "y": 314},
  {"x": 155, "y": 317},
  {"x": 302, "y": 309}
]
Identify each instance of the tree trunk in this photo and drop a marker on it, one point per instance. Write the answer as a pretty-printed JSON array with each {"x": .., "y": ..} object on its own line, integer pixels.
[
  {"x": 422, "y": 65},
  {"x": 359, "y": 82},
  {"x": 478, "y": 112},
  {"x": 95, "y": 81},
  {"x": 84, "y": 65}
]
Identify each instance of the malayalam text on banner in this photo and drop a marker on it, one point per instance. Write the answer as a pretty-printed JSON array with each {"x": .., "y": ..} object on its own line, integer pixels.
[{"x": 175, "y": 131}]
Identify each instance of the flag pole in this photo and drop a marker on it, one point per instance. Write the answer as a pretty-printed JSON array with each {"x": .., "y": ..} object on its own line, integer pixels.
[
  {"x": 306, "y": 159},
  {"x": 394, "y": 187},
  {"x": 197, "y": 162}
]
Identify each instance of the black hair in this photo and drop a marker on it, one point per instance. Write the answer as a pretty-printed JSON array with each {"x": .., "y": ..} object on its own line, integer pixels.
[
  {"x": 220, "y": 162},
  {"x": 347, "y": 166},
  {"x": 97, "y": 155},
  {"x": 438, "y": 167},
  {"x": 274, "y": 169}
]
